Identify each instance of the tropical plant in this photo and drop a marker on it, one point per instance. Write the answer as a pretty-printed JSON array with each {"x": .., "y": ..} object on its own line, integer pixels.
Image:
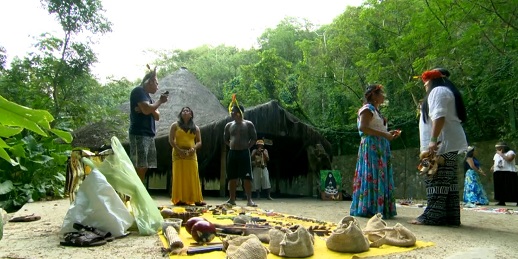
[{"x": 33, "y": 160}]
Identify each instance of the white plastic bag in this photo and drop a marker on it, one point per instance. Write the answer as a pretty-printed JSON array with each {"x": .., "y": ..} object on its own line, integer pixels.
[
  {"x": 98, "y": 205},
  {"x": 121, "y": 174}
]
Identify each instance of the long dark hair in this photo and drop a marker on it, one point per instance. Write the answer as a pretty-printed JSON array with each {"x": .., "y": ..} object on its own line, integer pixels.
[
  {"x": 189, "y": 127},
  {"x": 459, "y": 103},
  {"x": 469, "y": 154}
]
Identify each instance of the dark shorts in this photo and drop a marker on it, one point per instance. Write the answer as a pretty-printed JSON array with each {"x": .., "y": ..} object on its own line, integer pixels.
[
  {"x": 142, "y": 151},
  {"x": 239, "y": 164}
]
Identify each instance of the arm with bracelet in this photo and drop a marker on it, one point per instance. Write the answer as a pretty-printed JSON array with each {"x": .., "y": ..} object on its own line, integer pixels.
[{"x": 437, "y": 126}]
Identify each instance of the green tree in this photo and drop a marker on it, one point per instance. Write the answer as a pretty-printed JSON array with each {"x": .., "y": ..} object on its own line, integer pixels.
[
  {"x": 3, "y": 58},
  {"x": 75, "y": 16}
]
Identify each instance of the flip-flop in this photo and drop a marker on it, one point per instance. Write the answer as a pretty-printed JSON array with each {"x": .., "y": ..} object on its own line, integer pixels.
[
  {"x": 252, "y": 204},
  {"x": 26, "y": 218},
  {"x": 106, "y": 235},
  {"x": 82, "y": 239}
]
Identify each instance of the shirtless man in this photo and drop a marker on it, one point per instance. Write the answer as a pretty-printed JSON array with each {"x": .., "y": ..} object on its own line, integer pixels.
[{"x": 240, "y": 136}]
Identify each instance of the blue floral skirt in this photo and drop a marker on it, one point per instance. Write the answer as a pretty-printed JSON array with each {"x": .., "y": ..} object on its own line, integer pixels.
[
  {"x": 373, "y": 184},
  {"x": 473, "y": 190}
]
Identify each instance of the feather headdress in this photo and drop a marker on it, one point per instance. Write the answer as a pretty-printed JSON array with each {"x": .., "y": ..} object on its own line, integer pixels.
[{"x": 234, "y": 103}]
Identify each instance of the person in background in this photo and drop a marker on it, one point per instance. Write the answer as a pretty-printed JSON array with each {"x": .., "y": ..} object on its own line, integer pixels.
[
  {"x": 441, "y": 133},
  {"x": 505, "y": 179},
  {"x": 143, "y": 114},
  {"x": 260, "y": 158},
  {"x": 373, "y": 184},
  {"x": 185, "y": 138},
  {"x": 474, "y": 193},
  {"x": 240, "y": 136}
]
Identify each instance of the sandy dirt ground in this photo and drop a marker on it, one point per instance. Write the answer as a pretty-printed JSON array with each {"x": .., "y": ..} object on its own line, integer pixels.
[{"x": 481, "y": 235}]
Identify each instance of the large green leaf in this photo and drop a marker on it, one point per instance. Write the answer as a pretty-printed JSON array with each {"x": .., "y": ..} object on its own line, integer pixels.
[
  {"x": 3, "y": 144},
  {"x": 3, "y": 153},
  {"x": 16, "y": 115},
  {"x": 6, "y": 187},
  {"x": 6, "y": 132},
  {"x": 66, "y": 136}
]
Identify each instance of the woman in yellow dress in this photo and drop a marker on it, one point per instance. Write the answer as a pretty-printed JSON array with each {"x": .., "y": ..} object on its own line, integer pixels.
[{"x": 185, "y": 138}]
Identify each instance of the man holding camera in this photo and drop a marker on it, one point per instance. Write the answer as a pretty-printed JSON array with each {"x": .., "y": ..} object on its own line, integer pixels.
[
  {"x": 143, "y": 114},
  {"x": 261, "y": 176}
]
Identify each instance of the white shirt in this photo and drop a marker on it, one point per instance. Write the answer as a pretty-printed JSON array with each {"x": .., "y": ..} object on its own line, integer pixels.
[
  {"x": 377, "y": 122},
  {"x": 441, "y": 103},
  {"x": 504, "y": 165}
]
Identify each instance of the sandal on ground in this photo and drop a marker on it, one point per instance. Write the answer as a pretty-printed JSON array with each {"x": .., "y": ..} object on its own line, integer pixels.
[
  {"x": 82, "y": 239},
  {"x": 200, "y": 203},
  {"x": 231, "y": 202},
  {"x": 180, "y": 203},
  {"x": 26, "y": 218},
  {"x": 104, "y": 234}
]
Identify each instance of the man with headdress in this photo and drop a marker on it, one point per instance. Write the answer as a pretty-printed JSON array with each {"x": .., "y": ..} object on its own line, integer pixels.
[
  {"x": 240, "y": 136},
  {"x": 143, "y": 114},
  {"x": 260, "y": 158}
]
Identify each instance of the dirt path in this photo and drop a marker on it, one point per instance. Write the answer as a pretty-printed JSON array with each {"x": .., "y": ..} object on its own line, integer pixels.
[{"x": 482, "y": 234}]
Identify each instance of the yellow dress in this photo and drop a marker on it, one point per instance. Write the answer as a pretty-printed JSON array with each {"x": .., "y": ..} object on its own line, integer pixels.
[{"x": 186, "y": 181}]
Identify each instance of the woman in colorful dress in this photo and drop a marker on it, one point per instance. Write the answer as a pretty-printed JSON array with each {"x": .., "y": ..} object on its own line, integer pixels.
[
  {"x": 474, "y": 193},
  {"x": 185, "y": 138},
  {"x": 441, "y": 133},
  {"x": 373, "y": 184}
]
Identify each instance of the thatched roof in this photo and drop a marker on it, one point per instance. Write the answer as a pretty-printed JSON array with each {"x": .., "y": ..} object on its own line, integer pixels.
[
  {"x": 184, "y": 90},
  {"x": 96, "y": 136}
]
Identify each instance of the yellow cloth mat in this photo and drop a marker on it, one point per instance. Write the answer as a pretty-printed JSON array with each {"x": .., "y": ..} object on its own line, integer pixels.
[{"x": 320, "y": 247}]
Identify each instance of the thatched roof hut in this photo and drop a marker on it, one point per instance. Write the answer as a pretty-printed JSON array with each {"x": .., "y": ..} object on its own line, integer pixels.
[
  {"x": 97, "y": 136},
  {"x": 293, "y": 140},
  {"x": 290, "y": 154}
]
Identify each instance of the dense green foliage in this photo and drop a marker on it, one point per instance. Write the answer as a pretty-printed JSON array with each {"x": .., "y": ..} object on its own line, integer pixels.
[
  {"x": 55, "y": 78},
  {"x": 318, "y": 73},
  {"x": 32, "y": 161}
]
